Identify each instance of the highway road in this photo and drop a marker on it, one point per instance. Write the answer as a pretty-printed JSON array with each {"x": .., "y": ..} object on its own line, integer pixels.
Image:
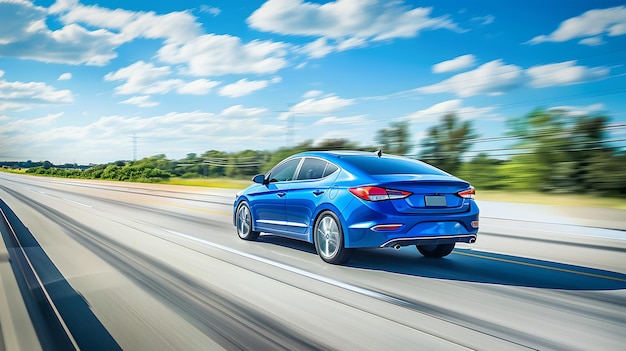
[{"x": 154, "y": 267}]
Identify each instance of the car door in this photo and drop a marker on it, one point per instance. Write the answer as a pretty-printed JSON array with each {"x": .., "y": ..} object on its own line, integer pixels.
[
  {"x": 268, "y": 205},
  {"x": 305, "y": 193}
]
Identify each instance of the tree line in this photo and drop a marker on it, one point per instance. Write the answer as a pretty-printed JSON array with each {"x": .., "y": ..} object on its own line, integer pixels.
[{"x": 546, "y": 150}]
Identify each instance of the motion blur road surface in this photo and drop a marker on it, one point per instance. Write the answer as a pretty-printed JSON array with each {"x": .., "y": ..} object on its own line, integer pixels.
[{"x": 155, "y": 267}]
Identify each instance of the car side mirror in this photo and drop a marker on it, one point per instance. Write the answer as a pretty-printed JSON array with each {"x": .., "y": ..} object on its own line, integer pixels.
[{"x": 259, "y": 178}]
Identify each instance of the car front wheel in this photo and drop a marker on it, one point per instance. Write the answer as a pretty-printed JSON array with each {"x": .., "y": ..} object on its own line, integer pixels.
[
  {"x": 328, "y": 236},
  {"x": 436, "y": 251},
  {"x": 244, "y": 223}
]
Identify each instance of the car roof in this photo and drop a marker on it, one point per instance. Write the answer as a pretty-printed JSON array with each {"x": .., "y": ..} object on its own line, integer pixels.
[
  {"x": 337, "y": 157},
  {"x": 338, "y": 153}
]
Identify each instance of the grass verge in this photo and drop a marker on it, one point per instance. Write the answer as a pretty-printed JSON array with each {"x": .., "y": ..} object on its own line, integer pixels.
[
  {"x": 210, "y": 182},
  {"x": 487, "y": 195}
]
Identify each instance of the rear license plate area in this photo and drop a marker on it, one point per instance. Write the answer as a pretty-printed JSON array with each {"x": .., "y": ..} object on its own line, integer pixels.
[{"x": 435, "y": 201}]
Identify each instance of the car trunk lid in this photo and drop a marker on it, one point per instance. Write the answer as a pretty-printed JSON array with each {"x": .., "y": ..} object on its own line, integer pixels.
[{"x": 429, "y": 193}]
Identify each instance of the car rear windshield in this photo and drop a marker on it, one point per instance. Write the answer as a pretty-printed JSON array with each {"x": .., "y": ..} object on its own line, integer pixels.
[{"x": 390, "y": 165}]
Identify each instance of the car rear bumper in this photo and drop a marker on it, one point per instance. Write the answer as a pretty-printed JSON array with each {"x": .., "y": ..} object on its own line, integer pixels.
[
  {"x": 376, "y": 230},
  {"x": 431, "y": 240}
]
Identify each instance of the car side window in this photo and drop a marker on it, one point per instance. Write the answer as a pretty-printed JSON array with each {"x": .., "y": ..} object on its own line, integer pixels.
[
  {"x": 314, "y": 168},
  {"x": 330, "y": 169},
  {"x": 285, "y": 171}
]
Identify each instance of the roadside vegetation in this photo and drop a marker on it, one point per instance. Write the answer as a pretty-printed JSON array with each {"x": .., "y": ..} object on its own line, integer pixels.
[{"x": 546, "y": 152}]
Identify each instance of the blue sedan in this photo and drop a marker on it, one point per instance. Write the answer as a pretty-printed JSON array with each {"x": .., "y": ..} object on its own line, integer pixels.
[{"x": 342, "y": 200}]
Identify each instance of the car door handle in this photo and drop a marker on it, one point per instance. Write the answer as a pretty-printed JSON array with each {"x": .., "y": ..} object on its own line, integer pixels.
[
  {"x": 281, "y": 194},
  {"x": 318, "y": 192}
]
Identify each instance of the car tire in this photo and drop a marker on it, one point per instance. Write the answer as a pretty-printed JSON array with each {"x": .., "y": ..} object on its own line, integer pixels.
[
  {"x": 436, "y": 251},
  {"x": 243, "y": 221},
  {"x": 328, "y": 238}
]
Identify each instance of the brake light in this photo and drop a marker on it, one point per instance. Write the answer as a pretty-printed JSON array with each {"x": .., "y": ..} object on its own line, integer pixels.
[
  {"x": 374, "y": 193},
  {"x": 467, "y": 194}
]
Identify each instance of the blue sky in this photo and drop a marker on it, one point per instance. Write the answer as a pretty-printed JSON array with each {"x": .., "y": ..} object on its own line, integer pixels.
[{"x": 79, "y": 79}]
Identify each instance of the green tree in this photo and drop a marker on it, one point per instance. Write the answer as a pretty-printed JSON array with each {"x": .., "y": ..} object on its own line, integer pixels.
[
  {"x": 560, "y": 151},
  {"x": 446, "y": 143},
  {"x": 484, "y": 172},
  {"x": 336, "y": 144},
  {"x": 395, "y": 139},
  {"x": 216, "y": 163},
  {"x": 245, "y": 164}
]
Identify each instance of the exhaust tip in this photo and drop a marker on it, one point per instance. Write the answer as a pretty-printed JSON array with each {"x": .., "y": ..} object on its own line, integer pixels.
[
  {"x": 472, "y": 240},
  {"x": 397, "y": 246}
]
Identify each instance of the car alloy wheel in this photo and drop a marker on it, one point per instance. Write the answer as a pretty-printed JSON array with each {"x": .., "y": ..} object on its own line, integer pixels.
[
  {"x": 244, "y": 223},
  {"x": 328, "y": 237}
]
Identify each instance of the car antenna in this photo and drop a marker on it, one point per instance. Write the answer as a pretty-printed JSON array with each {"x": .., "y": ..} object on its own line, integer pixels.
[{"x": 379, "y": 152}]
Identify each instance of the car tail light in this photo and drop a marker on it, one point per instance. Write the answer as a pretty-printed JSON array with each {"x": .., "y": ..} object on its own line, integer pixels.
[
  {"x": 467, "y": 194},
  {"x": 374, "y": 193},
  {"x": 386, "y": 227}
]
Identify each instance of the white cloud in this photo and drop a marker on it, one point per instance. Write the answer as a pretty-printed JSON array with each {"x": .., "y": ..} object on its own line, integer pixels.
[
  {"x": 214, "y": 11},
  {"x": 484, "y": 20},
  {"x": 312, "y": 94},
  {"x": 65, "y": 76},
  {"x": 318, "y": 48},
  {"x": 581, "y": 110},
  {"x": 129, "y": 25},
  {"x": 146, "y": 78},
  {"x": 436, "y": 111},
  {"x": 143, "y": 78},
  {"x": 376, "y": 20},
  {"x": 491, "y": 78},
  {"x": 351, "y": 43},
  {"x": 322, "y": 106},
  {"x": 243, "y": 87},
  {"x": 197, "y": 87},
  {"x": 592, "y": 41},
  {"x": 564, "y": 73},
  {"x": 213, "y": 55},
  {"x": 238, "y": 111},
  {"x": 22, "y": 95},
  {"x": 110, "y": 137},
  {"x": 345, "y": 24},
  {"x": 341, "y": 120},
  {"x": 610, "y": 22},
  {"x": 456, "y": 64},
  {"x": 496, "y": 77},
  {"x": 26, "y": 124},
  {"x": 140, "y": 101},
  {"x": 25, "y": 34}
]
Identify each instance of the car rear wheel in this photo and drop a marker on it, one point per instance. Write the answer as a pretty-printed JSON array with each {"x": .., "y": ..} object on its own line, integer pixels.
[
  {"x": 435, "y": 251},
  {"x": 244, "y": 223},
  {"x": 328, "y": 237}
]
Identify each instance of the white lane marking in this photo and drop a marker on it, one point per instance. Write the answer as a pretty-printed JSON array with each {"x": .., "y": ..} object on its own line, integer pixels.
[
  {"x": 76, "y": 202},
  {"x": 299, "y": 271},
  {"x": 36, "y": 191},
  {"x": 41, "y": 285},
  {"x": 356, "y": 289}
]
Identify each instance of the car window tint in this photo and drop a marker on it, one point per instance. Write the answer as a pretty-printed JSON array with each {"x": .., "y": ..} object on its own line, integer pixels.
[
  {"x": 330, "y": 169},
  {"x": 390, "y": 165},
  {"x": 284, "y": 171},
  {"x": 312, "y": 168}
]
